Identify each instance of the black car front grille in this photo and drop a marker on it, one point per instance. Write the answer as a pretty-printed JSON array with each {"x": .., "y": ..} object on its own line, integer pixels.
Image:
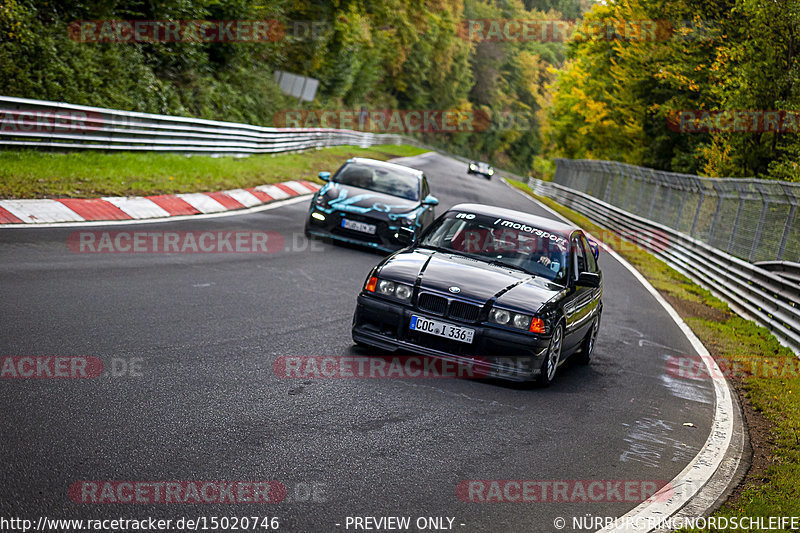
[
  {"x": 464, "y": 311},
  {"x": 439, "y": 305},
  {"x": 432, "y": 303}
]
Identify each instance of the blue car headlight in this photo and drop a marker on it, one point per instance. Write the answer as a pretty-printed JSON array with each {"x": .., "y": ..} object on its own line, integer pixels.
[{"x": 406, "y": 219}]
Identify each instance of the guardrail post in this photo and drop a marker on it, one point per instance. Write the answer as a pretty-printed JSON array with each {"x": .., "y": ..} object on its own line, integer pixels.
[
  {"x": 786, "y": 230},
  {"x": 641, "y": 196},
  {"x": 684, "y": 198},
  {"x": 735, "y": 223},
  {"x": 653, "y": 199},
  {"x": 609, "y": 177},
  {"x": 629, "y": 179},
  {"x": 697, "y": 212},
  {"x": 716, "y": 215},
  {"x": 760, "y": 227},
  {"x": 559, "y": 170},
  {"x": 664, "y": 211}
]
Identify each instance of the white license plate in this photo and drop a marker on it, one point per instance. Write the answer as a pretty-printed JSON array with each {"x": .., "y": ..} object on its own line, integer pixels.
[
  {"x": 358, "y": 226},
  {"x": 442, "y": 329}
]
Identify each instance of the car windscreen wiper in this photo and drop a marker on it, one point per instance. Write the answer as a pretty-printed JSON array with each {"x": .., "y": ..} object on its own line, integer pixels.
[{"x": 436, "y": 248}]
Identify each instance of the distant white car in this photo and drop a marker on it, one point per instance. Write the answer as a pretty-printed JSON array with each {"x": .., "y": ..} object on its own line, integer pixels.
[{"x": 479, "y": 167}]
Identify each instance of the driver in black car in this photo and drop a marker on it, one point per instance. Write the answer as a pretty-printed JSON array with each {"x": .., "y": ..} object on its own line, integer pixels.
[{"x": 554, "y": 255}]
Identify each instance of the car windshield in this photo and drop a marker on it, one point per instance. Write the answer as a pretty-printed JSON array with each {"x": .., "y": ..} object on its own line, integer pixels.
[
  {"x": 503, "y": 242},
  {"x": 379, "y": 179}
]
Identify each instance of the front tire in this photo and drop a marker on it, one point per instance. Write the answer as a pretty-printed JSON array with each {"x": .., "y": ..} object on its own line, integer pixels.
[
  {"x": 550, "y": 364},
  {"x": 587, "y": 347}
]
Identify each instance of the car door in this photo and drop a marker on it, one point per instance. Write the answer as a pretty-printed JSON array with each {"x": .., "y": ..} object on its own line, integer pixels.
[{"x": 578, "y": 307}]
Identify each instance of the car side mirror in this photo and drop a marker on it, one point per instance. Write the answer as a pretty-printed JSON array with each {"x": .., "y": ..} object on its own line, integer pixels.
[
  {"x": 430, "y": 200},
  {"x": 595, "y": 248},
  {"x": 589, "y": 279},
  {"x": 405, "y": 235},
  {"x": 325, "y": 176}
]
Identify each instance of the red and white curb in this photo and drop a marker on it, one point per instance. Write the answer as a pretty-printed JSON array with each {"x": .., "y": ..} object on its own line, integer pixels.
[{"x": 16, "y": 212}]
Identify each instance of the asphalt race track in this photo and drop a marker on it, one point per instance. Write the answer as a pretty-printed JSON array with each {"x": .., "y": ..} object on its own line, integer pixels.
[{"x": 193, "y": 337}]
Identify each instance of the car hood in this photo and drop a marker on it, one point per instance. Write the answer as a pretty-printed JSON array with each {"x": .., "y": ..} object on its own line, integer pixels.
[
  {"x": 338, "y": 197},
  {"x": 476, "y": 280}
]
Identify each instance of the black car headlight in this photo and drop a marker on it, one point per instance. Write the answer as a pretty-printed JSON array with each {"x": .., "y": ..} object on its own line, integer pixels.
[
  {"x": 510, "y": 318},
  {"x": 321, "y": 201},
  {"x": 391, "y": 289},
  {"x": 516, "y": 320}
]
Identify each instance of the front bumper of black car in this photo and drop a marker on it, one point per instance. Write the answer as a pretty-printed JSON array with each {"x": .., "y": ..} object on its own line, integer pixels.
[
  {"x": 504, "y": 354},
  {"x": 331, "y": 227}
]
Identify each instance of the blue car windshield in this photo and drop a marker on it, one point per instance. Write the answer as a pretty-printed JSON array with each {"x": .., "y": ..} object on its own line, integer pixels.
[
  {"x": 380, "y": 179},
  {"x": 503, "y": 242}
]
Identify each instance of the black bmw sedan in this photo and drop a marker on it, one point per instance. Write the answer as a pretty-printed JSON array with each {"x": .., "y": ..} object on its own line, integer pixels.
[
  {"x": 513, "y": 293},
  {"x": 367, "y": 202}
]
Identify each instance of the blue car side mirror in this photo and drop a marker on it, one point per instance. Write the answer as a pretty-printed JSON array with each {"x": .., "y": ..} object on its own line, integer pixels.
[
  {"x": 325, "y": 176},
  {"x": 430, "y": 200}
]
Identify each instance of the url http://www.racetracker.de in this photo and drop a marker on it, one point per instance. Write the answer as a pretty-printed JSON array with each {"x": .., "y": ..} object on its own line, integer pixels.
[{"x": 199, "y": 523}]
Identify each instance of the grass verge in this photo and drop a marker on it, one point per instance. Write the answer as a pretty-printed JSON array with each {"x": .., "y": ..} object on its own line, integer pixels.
[
  {"x": 33, "y": 174},
  {"x": 764, "y": 374}
]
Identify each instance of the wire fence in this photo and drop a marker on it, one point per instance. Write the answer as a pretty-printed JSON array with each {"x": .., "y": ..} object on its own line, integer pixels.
[
  {"x": 755, "y": 220},
  {"x": 767, "y": 293}
]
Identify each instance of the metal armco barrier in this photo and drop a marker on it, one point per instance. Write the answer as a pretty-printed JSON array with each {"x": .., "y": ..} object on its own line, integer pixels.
[
  {"x": 751, "y": 291},
  {"x": 38, "y": 124},
  {"x": 784, "y": 269}
]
